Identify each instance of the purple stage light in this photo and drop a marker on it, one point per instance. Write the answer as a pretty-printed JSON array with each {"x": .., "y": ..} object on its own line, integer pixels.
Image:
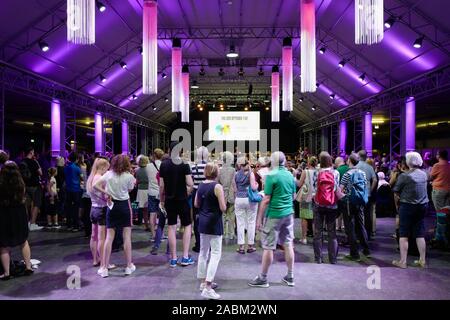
[
  {"x": 176, "y": 76},
  {"x": 98, "y": 132},
  {"x": 56, "y": 127},
  {"x": 409, "y": 118},
  {"x": 185, "y": 95},
  {"x": 368, "y": 133},
  {"x": 150, "y": 46},
  {"x": 124, "y": 137},
  {"x": 287, "y": 75},
  {"x": 342, "y": 136}
]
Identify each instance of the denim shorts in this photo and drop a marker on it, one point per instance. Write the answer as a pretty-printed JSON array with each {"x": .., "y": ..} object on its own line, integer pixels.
[
  {"x": 153, "y": 204},
  {"x": 412, "y": 220}
]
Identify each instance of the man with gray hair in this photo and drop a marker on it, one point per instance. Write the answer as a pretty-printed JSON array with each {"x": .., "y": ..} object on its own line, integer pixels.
[
  {"x": 279, "y": 192},
  {"x": 198, "y": 175},
  {"x": 372, "y": 183}
]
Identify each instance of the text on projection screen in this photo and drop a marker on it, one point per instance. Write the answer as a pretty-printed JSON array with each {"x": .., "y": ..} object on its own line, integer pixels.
[{"x": 234, "y": 126}]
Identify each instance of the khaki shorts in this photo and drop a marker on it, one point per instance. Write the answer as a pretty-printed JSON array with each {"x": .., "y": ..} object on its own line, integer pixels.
[{"x": 277, "y": 231}]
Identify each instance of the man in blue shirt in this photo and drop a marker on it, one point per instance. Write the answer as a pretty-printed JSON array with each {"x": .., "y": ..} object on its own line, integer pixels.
[{"x": 72, "y": 174}]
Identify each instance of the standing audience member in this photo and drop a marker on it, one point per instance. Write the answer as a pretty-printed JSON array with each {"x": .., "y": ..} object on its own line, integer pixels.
[
  {"x": 4, "y": 156},
  {"x": 440, "y": 177},
  {"x": 13, "y": 218},
  {"x": 226, "y": 177},
  {"x": 326, "y": 184},
  {"x": 411, "y": 194},
  {"x": 119, "y": 183},
  {"x": 73, "y": 176},
  {"x": 85, "y": 202},
  {"x": 245, "y": 210},
  {"x": 372, "y": 183},
  {"x": 342, "y": 168},
  {"x": 98, "y": 211},
  {"x": 354, "y": 185},
  {"x": 52, "y": 200},
  {"x": 142, "y": 192},
  {"x": 175, "y": 186},
  {"x": 31, "y": 172},
  {"x": 306, "y": 196},
  {"x": 279, "y": 192},
  {"x": 153, "y": 200},
  {"x": 198, "y": 176},
  {"x": 61, "y": 187},
  {"x": 211, "y": 203}
]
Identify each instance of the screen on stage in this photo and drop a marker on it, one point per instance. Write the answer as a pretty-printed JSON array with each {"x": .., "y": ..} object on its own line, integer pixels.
[{"x": 234, "y": 125}]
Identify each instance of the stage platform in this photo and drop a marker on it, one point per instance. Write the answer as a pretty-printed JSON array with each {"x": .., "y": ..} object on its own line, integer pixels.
[{"x": 154, "y": 279}]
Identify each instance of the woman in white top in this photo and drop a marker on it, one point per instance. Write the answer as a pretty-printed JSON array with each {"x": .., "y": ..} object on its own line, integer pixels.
[
  {"x": 98, "y": 211},
  {"x": 119, "y": 182}
]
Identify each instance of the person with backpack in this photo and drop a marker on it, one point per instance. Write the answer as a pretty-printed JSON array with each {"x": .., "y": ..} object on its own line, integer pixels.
[
  {"x": 31, "y": 172},
  {"x": 305, "y": 196},
  {"x": 354, "y": 186},
  {"x": 325, "y": 185}
]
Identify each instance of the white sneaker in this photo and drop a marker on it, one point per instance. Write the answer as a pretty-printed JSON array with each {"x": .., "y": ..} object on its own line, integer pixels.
[
  {"x": 35, "y": 227},
  {"x": 203, "y": 285},
  {"x": 304, "y": 241},
  {"x": 130, "y": 270},
  {"x": 210, "y": 294},
  {"x": 103, "y": 273},
  {"x": 111, "y": 266}
]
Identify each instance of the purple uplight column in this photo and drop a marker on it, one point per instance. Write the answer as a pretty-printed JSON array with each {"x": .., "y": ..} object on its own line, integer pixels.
[
  {"x": 99, "y": 138},
  {"x": 367, "y": 133},
  {"x": 408, "y": 133},
  {"x": 342, "y": 136},
  {"x": 275, "y": 94},
  {"x": 124, "y": 137},
  {"x": 57, "y": 133},
  {"x": 185, "y": 94}
]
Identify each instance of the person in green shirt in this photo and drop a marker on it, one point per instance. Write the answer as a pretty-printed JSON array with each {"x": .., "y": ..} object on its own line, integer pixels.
[
  {"x": 279, "y": 193},
  {"x": 342, "y": 168}
]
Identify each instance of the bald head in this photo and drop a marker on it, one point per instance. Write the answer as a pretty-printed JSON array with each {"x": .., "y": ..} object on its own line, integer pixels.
[{"x": 339, "y": 162}]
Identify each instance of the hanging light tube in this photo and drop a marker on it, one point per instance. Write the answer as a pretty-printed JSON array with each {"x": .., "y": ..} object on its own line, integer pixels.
[
  {"x": 308, "y": 45},
  {"x": 275, "y": 94},
  {"x": 369, "y": 23},
  {"x": 176, "y": 75},
  {"x": 288, "y": 93},
  {"x": 81, "y": 21},
  {"x": 150, "y": 48},
  {"x": 185, "y": 94}
]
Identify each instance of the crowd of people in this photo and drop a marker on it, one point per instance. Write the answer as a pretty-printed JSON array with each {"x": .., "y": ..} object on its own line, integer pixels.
[{"x": 233, "y": 196}]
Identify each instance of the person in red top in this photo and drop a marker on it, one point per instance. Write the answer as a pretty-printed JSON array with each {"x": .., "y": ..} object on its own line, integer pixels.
[{"x": 440, "y": 177}]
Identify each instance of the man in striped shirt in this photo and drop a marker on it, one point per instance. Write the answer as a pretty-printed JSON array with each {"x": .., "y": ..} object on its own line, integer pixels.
[
  {"x": 355, "y": 212},
  {"x": 198, "y": 175}
]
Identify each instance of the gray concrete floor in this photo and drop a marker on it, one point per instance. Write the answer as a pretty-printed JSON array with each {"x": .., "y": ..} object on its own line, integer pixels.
[{"x": 155, "y": 280}]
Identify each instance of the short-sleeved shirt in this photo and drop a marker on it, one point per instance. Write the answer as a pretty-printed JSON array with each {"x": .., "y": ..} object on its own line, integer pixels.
[
  {"x": 142, "y": 178},
  {"x": 118, "y": 186},
  {"x": 342, "y": 170},
  {"x": 226, "y": 175},
  {"x": 153, "y": 184},
  {"x": 280, "y": 185},
  {"x": 441, "y": 176},
  {"x": 174, "y": 176},
  {"x": 368, "y": 170},
  {"x": 198, "y": 173},
  {"x": 34, "y": 167},
  {"x": 412, "y": 187},
  {"x": 72, "y": 174}
]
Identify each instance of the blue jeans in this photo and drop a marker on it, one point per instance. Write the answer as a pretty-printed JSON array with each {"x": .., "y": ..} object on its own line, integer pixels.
[{"x": 160, "y": 231}]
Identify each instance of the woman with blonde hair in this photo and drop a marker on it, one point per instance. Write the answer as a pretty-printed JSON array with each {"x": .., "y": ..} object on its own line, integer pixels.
[
  {"x": 98, "y": 211},
  {"x": 119, "y": 183},
  {"x": 245, "y": 210}
]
